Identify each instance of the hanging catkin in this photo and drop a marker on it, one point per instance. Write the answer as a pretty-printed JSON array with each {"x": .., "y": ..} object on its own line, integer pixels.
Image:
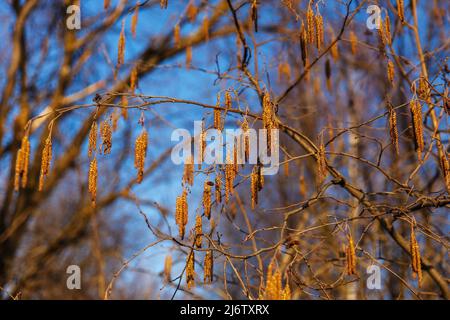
[
  {"x": 181, "y": 213},
  {"x": 393, "y": 128},
  {"x": 22, "y": 163},
  {"x": 198, "y": 231},
  {"x": 415, "y": 256},
  {"x": 206, "y": 201},
  {"x": 134, "y": 20},
  {"x": 92, "y": 181},
  {"x": 208, "y": 267},
  {"x": 140, "y": 153},
  {"x": 350, "y": 257},
  {"x": 190, "y": 270},
  {"x": 416, "y": 111},
  {"x": 92, "y": 145},
  {"x": 188, "y": 174},
  {"x": 121, "y": 46},
  {"x": 46, "y": 161},
  {"x": 168, "y": 268}
]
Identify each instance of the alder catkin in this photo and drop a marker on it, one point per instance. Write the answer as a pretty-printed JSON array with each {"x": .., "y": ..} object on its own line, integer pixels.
[
  {"x": 188, "y": 56},
  {"x": 387, "y": 30},
  {"x": 446, "y": 170},
  {"x": 319, "y": 30},
  {"x": 140, "y": 153},
  {"x": 217, "y": 115},
  {"x": 390, "y": 72},
  {"x": 134, "y": 20},
  {"x": 310, "y": 23},
  {"x": 190, "y": 270},
  {"x": 304, "y": 44},
  {"x": 106, "y": 4},
  {"x": 45, "y": 162},
  {"x": 416, "y": 111},
  {"x": 121, "y": 46},
  {"x": 351, "y": 257},
  {"x": 168, "y": 268},
  {"x": 218, "y": 188},
  {"x": 198, "y": 231},
  {"x": 208, "y": 267},
  {"x": 22, "y": 163},
  {"x": 401, "y": 10},
  {"x": 206, "y": 201},
  {"x": 254, "y": 183},
  {"x": 163, "y": 4},
  {"x": 393, "y": 129},
  {"x": 106, "y": 135},
  {"x": 133, "y": 79},
  {"x": 92, "y": 145},
  {"x": 415, "y": 256},
  {"x": 181, "y": 213},
  {"x": 321, "y": 163},
  {"x": 92, "y": 181}
]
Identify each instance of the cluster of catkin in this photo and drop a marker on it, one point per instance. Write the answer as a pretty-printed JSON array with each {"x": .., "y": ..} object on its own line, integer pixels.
[
  {"x": 312, "y": 33},
  {"x": 415, "y": 256},
  {"x": 350, "y": 257},
  {"x": 274, "y": 287}
]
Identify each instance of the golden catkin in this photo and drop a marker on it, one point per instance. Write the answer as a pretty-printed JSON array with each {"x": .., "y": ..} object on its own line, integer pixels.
[
  {"x": 168, "y": 268},
  {"x": 163, "y": 4},
  {"x": 229, "y": 177},
  {"x": 133, "y": 79},
  {"x": 188, "y": 56},
  {"x": 445, "y": 165},
  {"x": 334, "y": 50},
  {"x": 181, "y": 213},
  {"x": 310, "y": 23},
  {"x": 254, "y": 183},
  {"x": 350, "y": 257},
  {"x": 416, "y": 111},
  {"x": 208, "y": 267},
  {"x": 304, "y": 44},
  {"x": 245, "y": 128},
  {"x": 106, "y": 4},
  {"x": 134, "y": 20},
  {"x": 188, "y": 174},
  {"x": 390, "y": 72},
  {"x": 121, "y": 46},
  {"x": 198, "y": 231},
  {"x": 227, "y": 100},
  {"x": 45, "y": 162},
  {"x": 190, "y": 270},
  {"x": 382, "y": 37},
  {"x": 217, "y": 115},
  {"x": 92, "y": 145},
  {"x": 274, "y": 289},
  {"x": 22, "y": 163},
  {"x": 176, "y": 36},
  {"x": 401, "y": 10},
  {"x": 92, "y": 181},
  {"x": 319, "y": 30},
  {"x": 353, "y": 42},
  {"x": 106, "y": 135},
  {"x": 218, "y": 188},
  {"x": 393, "y": 129},
  {"x": 387, "y": 30},
  {"x": 140, "y": 153},
  {"x": 268, "y": 117},
  {"x": 286, "y": 293},
  {"x": 424, "y": 90},
  {"x": 416, "y": 263},
  {"x": 206, "y": 201}
]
